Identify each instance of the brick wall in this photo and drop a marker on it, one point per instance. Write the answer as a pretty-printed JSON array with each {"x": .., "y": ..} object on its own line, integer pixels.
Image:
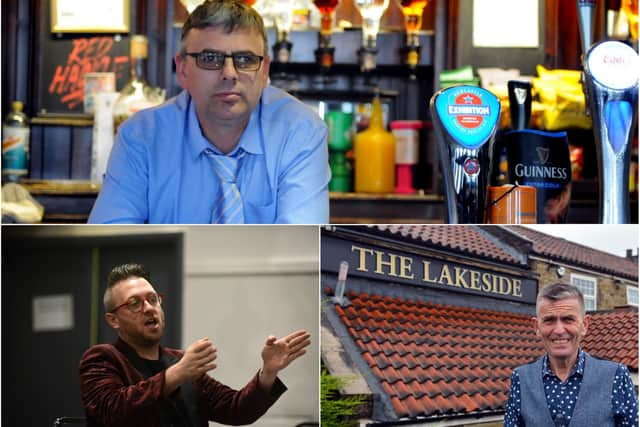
[{"x": 610, "y": 294}]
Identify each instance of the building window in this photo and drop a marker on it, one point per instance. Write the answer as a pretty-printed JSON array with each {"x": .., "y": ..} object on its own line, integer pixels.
[
  {"x": 632, "y": 295},
  {"x": 589, "y": 288}
]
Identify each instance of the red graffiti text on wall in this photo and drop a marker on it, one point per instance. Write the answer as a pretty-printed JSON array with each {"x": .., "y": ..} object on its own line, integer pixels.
[{"x": 88, "y": 55}]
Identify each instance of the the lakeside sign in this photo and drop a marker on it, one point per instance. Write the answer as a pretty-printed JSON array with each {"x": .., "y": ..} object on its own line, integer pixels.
[{"x": 379, "y": 263}]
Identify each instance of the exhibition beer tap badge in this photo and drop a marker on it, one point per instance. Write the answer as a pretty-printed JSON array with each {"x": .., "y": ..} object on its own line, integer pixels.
[{"x": 469, "y": 114}]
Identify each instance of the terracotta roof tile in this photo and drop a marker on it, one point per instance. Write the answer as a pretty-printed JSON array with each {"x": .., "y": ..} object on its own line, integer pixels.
[
  {"x": 463, "y": 239},
  {"x": 564, "y": 250},
  {"x": 614, "y": 335},
  {"x": 434, "y": 359}
]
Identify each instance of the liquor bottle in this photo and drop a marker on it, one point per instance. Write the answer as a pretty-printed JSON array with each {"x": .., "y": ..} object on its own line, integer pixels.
[
  {"x": 283, "y": 21},
  {"x": 375, "y": 155},
  {"x": 325, "y": 51},
  {"x": 371, "y": 11},
  {"x": 15, "y": 144},
  {"x": 327, "y": 9},
  {"x": 412, "y": 10},
  {"x": 137, "y": 94}
]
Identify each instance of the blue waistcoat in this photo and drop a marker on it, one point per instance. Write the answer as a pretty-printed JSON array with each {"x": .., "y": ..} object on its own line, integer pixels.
[{"x": 593, "y": 406}]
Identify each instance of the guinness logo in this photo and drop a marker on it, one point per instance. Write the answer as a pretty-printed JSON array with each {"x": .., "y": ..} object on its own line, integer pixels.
[
  {"x": 543, "y": 154},
  {"x": 521, "y": 95}
]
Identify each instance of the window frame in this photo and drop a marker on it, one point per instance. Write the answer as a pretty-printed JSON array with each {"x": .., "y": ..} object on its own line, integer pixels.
[
  {"x": 587, "y": 298},
  {"x": 634, "y": 288}
]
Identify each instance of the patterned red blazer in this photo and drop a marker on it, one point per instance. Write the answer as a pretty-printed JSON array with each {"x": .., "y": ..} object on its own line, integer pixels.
[{"x": 115, "y": 392}]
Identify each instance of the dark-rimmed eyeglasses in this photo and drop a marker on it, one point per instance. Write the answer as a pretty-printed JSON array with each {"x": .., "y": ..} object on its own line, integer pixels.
[
  {"x": 135, "y": 304},
  {"x": 214, "y": 60}
]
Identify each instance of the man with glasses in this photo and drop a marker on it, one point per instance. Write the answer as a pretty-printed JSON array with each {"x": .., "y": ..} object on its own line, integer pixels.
[
  {"x": 568, "y": 387},
  {"x": 229, "y": 148},
  {"x": 137, "y": 382}
]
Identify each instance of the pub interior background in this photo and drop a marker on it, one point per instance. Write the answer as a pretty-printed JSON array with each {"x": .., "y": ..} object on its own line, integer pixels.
[
  {"x": 61, "y": 134},
  {"x": 54, "y": 277}
]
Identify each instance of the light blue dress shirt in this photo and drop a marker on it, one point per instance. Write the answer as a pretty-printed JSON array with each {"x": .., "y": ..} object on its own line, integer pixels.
[{"x": 158, "y": 171}]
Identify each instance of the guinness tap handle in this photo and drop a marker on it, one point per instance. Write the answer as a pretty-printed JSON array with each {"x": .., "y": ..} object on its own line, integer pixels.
[{"x": 519, "y": 104}]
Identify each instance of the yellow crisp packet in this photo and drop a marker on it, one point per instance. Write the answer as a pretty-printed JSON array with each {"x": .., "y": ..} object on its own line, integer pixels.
[
  {"x": 559, "y": 74},
  {"x": 561, "y": 98},
  {"x": 564, "y": 115},
  {"x": 505, "y": 114},
  {"x": 503, "y": 96},
  {"x": 537, "y": 112}
]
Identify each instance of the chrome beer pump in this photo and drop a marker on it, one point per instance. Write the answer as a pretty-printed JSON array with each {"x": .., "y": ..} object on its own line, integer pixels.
[
  {"x": 465, "y": 119},
  {"x": 610, "y": 82}
]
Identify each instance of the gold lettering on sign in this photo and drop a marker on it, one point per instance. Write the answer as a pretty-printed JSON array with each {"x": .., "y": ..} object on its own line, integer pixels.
[
  {"x": 494, "y": 280},
  {"x": 486, "y": 282},
  {"x": 517, "y": 288},
  {"x": 391, "y": 263},
  {"x": 445, "y": 274},
  {"x": 362, "y": 265},
  {"x": 405, "y": 267},
  {"x": 505, "y": 286},
  {"x": 474, "y": 280},
  {"x": 460, "y": 280},
  {"x": 426, "y": 277},
  {"x": 394, "y": 265}
]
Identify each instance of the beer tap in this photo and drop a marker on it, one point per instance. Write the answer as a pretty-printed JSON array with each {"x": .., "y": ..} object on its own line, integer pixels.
[
  {"x": 586, "y": 22},
  {"x": 412, "y": 10},
  {"x": 537, "y": 159},
  {"x": 610, "y": 83},
  {"x": 465, "y": 119},
  {"x": 325, "y": 50},
  {"x": 371, "y": 12}
]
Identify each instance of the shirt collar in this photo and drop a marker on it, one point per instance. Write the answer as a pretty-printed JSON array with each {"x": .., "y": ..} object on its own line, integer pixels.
[
  {"x": 249, "y": 140},
  {"x": 577, "y": 369}
]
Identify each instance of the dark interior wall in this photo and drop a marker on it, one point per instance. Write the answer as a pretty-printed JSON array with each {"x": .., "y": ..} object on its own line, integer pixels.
[
  {"x": 40, "y": 368},
  {"x": 26, "y": 31},
  {"x": 16, "y": 33}
]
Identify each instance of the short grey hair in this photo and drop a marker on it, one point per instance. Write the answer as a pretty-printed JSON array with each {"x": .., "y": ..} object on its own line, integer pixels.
[
  {"x": 231, "y": 15},
  {"x": 557, "y": 292}
]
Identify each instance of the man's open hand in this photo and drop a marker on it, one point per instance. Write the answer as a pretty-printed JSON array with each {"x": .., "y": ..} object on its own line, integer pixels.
[{"x": 277, "y": 354}]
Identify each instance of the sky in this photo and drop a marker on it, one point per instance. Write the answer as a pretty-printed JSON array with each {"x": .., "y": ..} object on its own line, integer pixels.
[{"x": 614, "y": 239}]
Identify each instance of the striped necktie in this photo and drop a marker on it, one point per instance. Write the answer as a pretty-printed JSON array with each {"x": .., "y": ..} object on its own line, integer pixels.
[{"x": 228, "y": 208}]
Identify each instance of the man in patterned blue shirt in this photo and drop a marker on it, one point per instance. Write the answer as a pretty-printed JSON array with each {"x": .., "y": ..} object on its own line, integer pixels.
[{"x": 568, "y": 387}]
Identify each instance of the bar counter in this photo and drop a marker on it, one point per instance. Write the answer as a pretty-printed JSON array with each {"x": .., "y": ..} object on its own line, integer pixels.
[{"x": 70, "y": 201}]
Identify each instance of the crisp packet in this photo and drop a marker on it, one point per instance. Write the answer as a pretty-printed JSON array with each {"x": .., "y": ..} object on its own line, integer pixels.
[{"x": 562, "y": 98}]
